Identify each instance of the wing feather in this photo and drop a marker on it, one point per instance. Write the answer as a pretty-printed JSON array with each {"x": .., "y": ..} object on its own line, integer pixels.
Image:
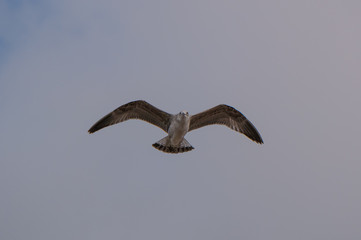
[
  {"x": 228, "y": 116},
  {"x": 134, "y": 110}
]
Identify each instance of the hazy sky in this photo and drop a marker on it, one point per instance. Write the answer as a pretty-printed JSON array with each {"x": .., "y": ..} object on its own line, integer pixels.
[{"x": 292, "y": 67}]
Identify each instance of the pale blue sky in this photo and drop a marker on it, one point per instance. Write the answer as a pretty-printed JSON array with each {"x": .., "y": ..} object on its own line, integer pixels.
[{"x": 292, "y": 67}]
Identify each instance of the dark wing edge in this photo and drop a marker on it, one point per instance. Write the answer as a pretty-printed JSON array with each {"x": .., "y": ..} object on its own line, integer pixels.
[
  {"x": 228, "y": 116},
  {"x": 134, "y": 110}
]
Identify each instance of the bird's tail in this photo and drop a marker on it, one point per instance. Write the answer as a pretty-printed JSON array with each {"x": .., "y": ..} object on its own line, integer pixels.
[{"x": 165, "y": 146}]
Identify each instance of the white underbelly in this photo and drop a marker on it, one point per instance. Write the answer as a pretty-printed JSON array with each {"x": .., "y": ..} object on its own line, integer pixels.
[{"x": 177, "y": 130}]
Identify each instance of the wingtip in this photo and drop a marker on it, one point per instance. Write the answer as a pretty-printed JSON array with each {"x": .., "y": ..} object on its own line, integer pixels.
[
  {"x": 258, "y": 139},
  {"x": 90, "y": 131}
]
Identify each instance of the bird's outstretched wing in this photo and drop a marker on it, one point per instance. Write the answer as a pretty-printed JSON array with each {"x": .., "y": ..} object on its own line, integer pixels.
[
  {"x": 228, "y": 116},
  {"x": 134, "y": 110}
]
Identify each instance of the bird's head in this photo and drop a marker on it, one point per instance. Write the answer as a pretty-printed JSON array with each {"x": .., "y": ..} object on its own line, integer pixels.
[{"x": 184, "y": 113}]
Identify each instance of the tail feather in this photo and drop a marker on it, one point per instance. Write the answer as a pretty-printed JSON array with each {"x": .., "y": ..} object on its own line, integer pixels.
[{"x": 164, "y": 145}]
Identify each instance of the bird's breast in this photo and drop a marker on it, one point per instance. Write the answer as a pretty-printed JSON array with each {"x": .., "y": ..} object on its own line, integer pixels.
[{"x": 177, "y": 129}]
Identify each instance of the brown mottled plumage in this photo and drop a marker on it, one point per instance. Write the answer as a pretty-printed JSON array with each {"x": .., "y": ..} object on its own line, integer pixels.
[
  {"x": 228, "y": 116},
  {"x": 134, "y": 110}
]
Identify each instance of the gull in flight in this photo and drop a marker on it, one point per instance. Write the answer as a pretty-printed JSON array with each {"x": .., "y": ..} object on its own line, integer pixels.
[{"x": 177, "y": 125}]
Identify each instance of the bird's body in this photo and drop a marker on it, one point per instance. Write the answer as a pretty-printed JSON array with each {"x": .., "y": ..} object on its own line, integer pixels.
[{"x": 178, "y": 125}]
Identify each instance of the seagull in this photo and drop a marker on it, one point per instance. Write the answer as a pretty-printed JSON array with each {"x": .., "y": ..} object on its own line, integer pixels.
[{"x": 177, "y": 125}]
